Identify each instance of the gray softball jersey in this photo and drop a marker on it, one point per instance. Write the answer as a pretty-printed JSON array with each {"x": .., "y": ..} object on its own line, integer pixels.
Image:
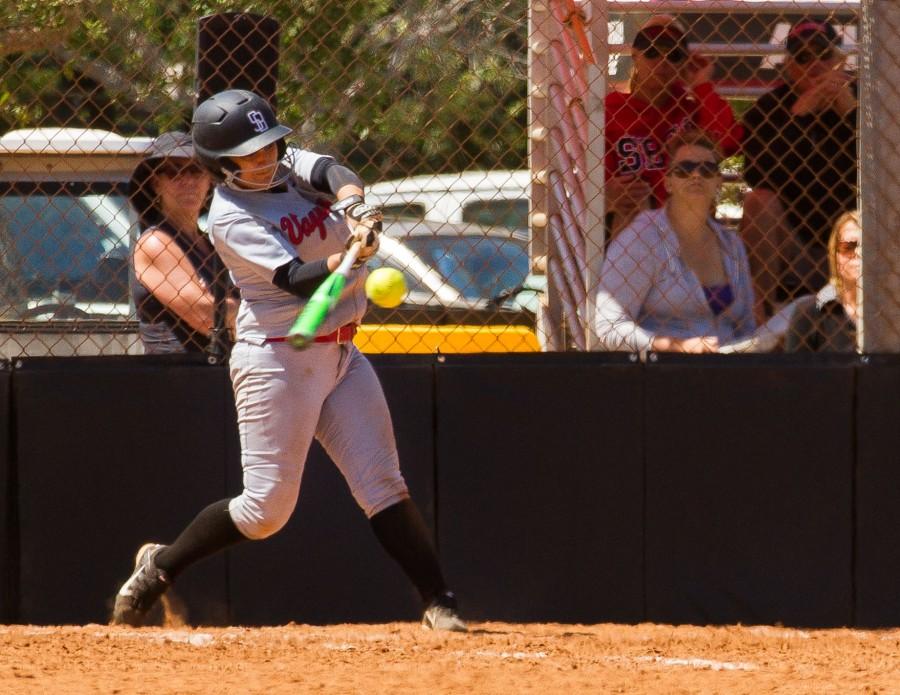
[{"x": 257, "y": 232}]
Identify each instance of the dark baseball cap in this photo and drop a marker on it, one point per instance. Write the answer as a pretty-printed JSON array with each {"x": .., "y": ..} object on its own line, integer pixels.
[
  {"x": 811, "y": 32},
  {"x": 660, "y": 36},
  {"x": 172, "y": 145}
]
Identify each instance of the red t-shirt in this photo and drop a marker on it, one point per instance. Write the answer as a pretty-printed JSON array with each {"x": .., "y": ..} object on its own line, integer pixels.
[{"x": 636, "y": 131}]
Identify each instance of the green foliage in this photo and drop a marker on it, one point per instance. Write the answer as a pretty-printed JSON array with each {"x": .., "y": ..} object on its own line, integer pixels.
[{"x": 392, "y": 87}]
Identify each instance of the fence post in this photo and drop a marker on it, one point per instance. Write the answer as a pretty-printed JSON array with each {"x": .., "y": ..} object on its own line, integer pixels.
[
  {"x": 879, "y": 182},
  {"x": 595, "y": 234}
]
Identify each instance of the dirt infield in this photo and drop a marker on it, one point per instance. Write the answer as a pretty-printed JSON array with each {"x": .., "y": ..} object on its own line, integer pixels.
[{"x": 403, "y": 658}]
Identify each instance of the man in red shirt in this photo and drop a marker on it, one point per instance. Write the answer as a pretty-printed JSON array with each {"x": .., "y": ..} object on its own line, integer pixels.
[{"x": 670, "y": 92}]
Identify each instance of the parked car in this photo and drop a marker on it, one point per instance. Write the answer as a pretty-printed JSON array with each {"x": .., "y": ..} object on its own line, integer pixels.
[
  {"x": 65, "y": 223},
  {"x": 437, "y": 315},
  {"x": 499, "y": 198},
  {"x": 479, "y": 261},
  {"x": 490, "y": 198},
  {"x": 453, "y": 274}
]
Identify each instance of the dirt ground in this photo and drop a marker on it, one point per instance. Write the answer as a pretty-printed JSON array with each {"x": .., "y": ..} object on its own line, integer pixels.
[{"x": 403, "y": 658}]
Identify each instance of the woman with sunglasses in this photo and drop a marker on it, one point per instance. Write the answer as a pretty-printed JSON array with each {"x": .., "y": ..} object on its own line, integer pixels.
[
  {"x": 826, "y": 321},
  {"x": 674, "y": 279},
  {"x": 670, "y": 92},
  {"x": 177, "y": 272}
]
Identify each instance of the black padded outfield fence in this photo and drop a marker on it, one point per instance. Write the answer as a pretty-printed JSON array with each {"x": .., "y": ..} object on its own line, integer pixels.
[{"x": 690, "y": 501}]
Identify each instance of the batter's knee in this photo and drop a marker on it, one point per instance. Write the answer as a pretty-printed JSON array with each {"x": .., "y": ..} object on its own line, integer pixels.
[
  {"x": 381, "y": 494},
  {"x": 259, "y": 516}
]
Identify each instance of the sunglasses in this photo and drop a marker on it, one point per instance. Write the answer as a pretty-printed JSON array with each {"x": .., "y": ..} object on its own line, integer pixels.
[
  {"x": 847, "y": 248},
  {"x": 686, "y": 167},
  {"x": 807, "y": 57},
  {"x": 672, "y": 54},
  {"x": 174, "y": 170}
]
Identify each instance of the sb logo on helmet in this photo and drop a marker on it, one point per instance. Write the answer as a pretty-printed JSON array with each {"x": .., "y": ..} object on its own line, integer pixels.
[{"x": 258, "y": 120}]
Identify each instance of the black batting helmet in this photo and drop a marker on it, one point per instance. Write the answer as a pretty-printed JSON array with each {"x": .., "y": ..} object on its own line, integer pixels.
[{"x": 234, "y": 123}]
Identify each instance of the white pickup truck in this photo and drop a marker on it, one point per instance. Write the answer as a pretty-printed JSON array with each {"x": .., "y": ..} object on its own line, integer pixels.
[{"x": 65, "y": 228}]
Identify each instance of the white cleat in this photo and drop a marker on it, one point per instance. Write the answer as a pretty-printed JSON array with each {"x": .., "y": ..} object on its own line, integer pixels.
[{"x": 442, "y": 614}]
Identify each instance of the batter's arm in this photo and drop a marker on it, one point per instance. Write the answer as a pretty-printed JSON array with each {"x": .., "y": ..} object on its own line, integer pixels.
[
  {"x": 301, "y": 279},
  {"x": 327, "y": 176}
]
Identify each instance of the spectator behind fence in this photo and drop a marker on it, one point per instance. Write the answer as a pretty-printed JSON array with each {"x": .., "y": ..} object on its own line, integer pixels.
[
  {"x": 800, "y": 148},
  {"x": 826, "y": 322},
  {"x": 674, "y": 279},
  {"x": 176, "y": 269},
  {"x": 670, "y": 92}
]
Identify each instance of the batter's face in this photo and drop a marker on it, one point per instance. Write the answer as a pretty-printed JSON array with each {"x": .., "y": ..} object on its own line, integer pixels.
[
  {"x": 257, "y": 170},
  {"x": 181, "y": 184}
]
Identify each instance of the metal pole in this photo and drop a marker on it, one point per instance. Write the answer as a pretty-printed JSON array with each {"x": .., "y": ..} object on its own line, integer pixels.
[
  {"x": 748, "y": 6},
  {"x": 594, "y": 186},
  {"x": 541, "y": 33},
  {"x": 728, "y": 49},
  {"x": 879, "y": 328}
]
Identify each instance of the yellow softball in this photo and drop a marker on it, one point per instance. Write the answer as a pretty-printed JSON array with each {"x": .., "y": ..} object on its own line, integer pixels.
[{"x": 386, "y": 287}]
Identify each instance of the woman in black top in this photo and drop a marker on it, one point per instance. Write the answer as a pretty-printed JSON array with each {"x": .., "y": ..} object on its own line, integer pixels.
[
  {"x": 826, "y": 321},
  {"x": 178, "y": 274}
]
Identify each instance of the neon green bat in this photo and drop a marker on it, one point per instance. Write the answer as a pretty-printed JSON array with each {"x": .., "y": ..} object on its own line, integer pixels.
[{"x": 322, "y": 301}]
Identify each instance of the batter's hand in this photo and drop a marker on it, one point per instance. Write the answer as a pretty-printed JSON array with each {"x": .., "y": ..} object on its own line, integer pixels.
[
  {"x": 365, "y": 227},
  {"x": 362, "y": 213}
]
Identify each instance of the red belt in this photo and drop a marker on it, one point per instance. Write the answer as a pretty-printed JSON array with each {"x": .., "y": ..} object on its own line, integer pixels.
[{"x": 344, "y": 334}]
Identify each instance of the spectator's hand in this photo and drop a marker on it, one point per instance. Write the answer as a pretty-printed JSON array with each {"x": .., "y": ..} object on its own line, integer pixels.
[
  {"x": 696, "y": 346},
  {"x": 697, "y": 70},
  {"x": 838, "y": 93},
  {"x": 831, "y": 89},
  {"x": 627, "y": 194}
]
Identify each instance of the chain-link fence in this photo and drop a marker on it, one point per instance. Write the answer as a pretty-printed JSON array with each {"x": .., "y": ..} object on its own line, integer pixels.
[
  {"x": 751, "y": 111},
  {"x": 533, "y": 198}
]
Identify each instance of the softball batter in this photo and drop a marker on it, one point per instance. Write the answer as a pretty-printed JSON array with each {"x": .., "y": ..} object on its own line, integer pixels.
[{"x": 272, "y": 222}]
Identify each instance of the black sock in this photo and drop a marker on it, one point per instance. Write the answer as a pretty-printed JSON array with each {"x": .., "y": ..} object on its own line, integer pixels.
[
  {"x": 211, "y": 530},
  {"x": 402, "y": 532}
]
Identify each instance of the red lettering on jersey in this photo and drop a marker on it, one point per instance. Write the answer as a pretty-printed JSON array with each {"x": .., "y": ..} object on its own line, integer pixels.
[
  {"x": 321, "y": 214},
  {"x": 302, "y": 228},
  {"x": 288, "y": 226},
  {"x": 298, "y": 229}
]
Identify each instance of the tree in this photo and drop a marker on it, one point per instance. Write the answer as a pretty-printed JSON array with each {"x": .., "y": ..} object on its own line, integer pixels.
[{"x": 394, "y": 87}]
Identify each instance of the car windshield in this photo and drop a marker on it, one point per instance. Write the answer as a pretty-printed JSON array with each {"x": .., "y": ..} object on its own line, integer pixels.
[
  {"x": 512, "y": 213},
  {"x": 68, "y": 245},
  {"x": 480, "y": 266}
]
